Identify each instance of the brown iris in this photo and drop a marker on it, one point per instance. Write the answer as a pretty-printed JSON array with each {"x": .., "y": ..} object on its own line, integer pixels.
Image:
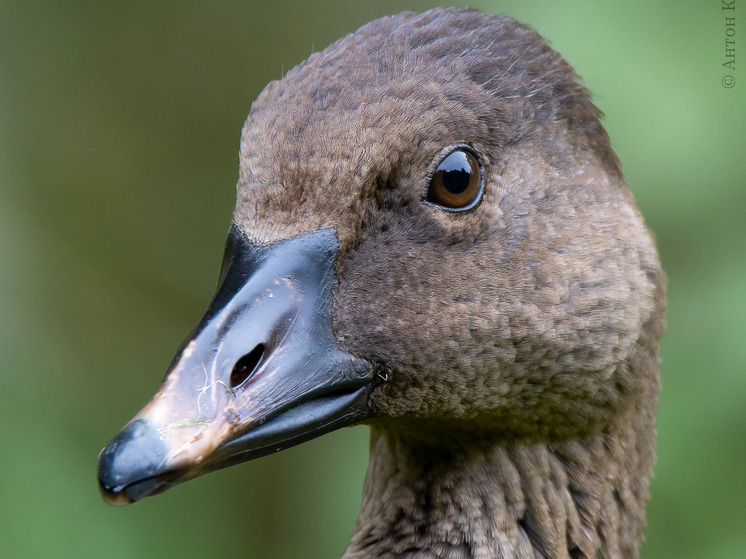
[{"x": 457, "y": 181}]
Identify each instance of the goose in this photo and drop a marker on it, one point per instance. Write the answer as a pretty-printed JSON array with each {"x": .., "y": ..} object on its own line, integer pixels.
[{"x": 433, "y": 237}]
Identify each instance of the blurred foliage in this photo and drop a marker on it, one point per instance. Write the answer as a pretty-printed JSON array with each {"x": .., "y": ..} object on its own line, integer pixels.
[{"x": 119, "y": 125}]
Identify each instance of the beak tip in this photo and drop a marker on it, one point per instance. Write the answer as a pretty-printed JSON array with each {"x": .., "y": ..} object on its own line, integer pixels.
[
  {"x": 112, "y": 497},
  {"x": 129, "y": 463}
]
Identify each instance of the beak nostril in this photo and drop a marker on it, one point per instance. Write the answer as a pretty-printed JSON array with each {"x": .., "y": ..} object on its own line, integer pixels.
[{"x": 245, "y": 366}]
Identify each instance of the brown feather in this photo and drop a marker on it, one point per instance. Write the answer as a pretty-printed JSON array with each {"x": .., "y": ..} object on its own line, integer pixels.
[{"x": 519, "y": 340}]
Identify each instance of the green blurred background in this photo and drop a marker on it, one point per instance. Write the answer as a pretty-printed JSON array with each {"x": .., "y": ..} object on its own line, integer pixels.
[{"x": 119, "y": 128}]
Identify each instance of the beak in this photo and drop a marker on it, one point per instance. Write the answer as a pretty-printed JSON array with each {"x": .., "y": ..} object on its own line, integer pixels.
[{"x": 261, "y": 372}]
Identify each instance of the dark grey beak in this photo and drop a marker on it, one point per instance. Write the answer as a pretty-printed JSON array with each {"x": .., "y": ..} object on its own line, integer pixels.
[{"x": 261, "y": 372}]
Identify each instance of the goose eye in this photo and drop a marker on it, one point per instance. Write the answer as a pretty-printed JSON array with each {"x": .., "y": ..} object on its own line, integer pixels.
[{"x": 457, "y": 182}]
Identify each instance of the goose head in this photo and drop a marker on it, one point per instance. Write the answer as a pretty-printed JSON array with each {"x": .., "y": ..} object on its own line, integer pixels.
[{"x": 432, "y": 235}]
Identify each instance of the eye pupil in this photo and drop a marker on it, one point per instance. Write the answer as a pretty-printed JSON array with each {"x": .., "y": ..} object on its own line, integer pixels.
[{"x": 457, "y": 182}]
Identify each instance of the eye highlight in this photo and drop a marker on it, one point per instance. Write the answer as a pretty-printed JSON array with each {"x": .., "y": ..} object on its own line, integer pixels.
[{"x": 456, "y": 183}]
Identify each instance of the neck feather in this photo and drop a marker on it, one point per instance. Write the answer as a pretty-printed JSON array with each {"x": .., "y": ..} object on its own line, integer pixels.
[{"x": 580, "y": 497}]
